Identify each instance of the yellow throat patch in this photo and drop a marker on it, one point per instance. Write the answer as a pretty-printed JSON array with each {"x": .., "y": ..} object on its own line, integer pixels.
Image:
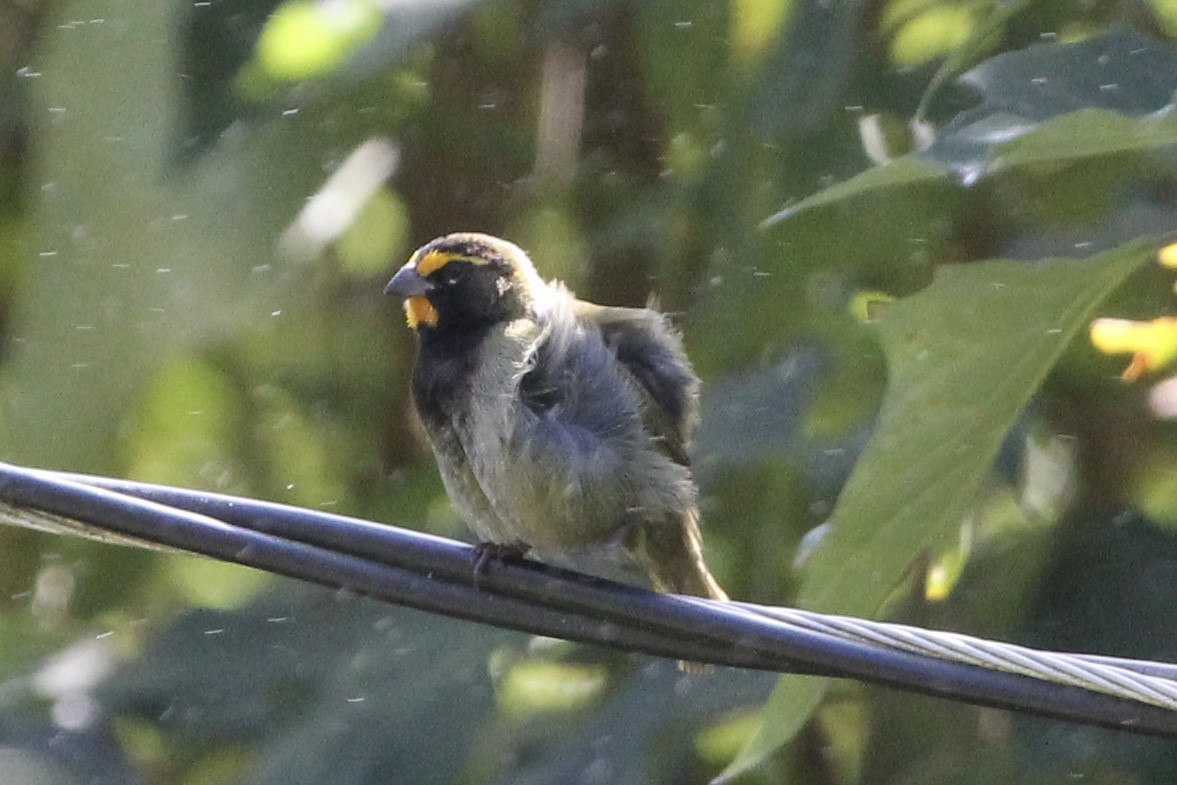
[{"x": 418, "y": 311}]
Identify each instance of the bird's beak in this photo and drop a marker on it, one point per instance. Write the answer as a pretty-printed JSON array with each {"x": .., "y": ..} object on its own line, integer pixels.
[{"x": 407, "y": 283}]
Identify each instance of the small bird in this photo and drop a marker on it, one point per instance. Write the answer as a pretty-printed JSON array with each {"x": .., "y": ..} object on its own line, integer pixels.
[{"x": 560, "y": 427}]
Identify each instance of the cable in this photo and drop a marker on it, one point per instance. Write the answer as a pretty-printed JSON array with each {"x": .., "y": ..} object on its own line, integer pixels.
[
  {"x": 1152, "y": 684},
  {"x": 434, "y": 574},
  {"x": 131, "y": 519}
]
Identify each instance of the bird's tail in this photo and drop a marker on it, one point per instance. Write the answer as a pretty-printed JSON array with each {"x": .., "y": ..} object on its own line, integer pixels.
[{"x": 671, "y": 553}]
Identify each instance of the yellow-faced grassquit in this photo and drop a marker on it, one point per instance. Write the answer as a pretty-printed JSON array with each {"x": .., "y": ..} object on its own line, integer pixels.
[{"x": 560, "y": 427}]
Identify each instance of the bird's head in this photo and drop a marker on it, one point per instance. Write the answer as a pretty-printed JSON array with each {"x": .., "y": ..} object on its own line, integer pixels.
[{"x": 465, "y": 281}]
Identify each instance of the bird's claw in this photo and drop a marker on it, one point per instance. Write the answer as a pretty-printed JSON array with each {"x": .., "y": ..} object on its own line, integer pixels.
[{"x": 485, "y": 552}]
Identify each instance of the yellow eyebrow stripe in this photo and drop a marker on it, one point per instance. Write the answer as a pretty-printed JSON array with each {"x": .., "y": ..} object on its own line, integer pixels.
[{"x": 435, "y": 260}]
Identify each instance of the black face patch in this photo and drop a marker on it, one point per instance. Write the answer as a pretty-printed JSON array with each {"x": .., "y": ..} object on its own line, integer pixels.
[{"x": 473, "y": 295}]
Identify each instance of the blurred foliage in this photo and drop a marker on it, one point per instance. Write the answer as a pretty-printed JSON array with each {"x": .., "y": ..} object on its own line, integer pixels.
[{"x": 884, "y": 228}]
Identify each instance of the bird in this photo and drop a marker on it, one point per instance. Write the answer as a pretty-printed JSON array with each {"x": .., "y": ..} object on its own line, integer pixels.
[{"x": 560, "y": 427}]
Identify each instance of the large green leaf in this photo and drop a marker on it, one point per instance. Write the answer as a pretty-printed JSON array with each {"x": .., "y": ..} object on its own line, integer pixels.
[
  {"x": 787, "y": 710},
  {"x": 903, "y": 172},
  {"x": 1087, "y": 133},
  {"x": 1000, "y": 143},
  {"x": 1120, "y": 73},
  {"x": 1053, "y": 103},
  {"x": 1120, "y": 69},
  {"x": 964, "y": 356}
]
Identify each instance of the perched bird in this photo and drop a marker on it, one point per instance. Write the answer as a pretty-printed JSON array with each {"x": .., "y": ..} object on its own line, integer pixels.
[{"x": 560, "y": 427}]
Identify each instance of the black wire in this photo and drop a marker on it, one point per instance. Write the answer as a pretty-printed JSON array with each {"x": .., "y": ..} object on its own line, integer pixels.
[
  {"x": 605, "y": 608},
  {"x": 174, "y": 527},
  {"x": 610, "y": 605},
  {"x": 430, "y": 573}
]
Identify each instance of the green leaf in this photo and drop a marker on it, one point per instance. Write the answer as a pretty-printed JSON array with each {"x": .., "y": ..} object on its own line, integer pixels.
[
  {"x": 909, "y": 170},
  {"x": 1049, "y": 103},
  {"x": 789, "y": 707},
  {"x": 1088, "y": 133},
  {"x": 1121, "y": 70},
  {"x": 1119, "y": 73},
  {"x": 964, "y": 355}
]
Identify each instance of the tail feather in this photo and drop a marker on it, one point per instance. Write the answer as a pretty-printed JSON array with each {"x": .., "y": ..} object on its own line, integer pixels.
[{"x": 671, "y": 553}]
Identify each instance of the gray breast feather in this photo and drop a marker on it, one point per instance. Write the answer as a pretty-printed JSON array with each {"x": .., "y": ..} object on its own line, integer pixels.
[{"x": 464, "y": 490}]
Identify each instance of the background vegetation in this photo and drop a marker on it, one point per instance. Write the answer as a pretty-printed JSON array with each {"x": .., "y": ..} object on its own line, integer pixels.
[{"x": 896, "y": 422}]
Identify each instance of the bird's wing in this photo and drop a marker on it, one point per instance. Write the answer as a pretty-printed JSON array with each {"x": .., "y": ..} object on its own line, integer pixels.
[
  {"x": 578, "y": 462},
  {"x": 651, "y": 353}
]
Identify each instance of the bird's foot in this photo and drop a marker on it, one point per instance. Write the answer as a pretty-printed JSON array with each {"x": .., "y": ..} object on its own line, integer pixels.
[{"x": 485, "y": 552}]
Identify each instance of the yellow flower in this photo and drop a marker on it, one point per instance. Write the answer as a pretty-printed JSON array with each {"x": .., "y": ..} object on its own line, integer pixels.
[
  {"x": 1152, "y": 344},
  {"x": 1167, "y": 256}
]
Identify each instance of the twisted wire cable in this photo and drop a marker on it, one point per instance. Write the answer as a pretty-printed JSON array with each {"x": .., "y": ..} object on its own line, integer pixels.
[
  {"x": 433, "y": 574},
  {"x": 1118, "y": 678}
]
